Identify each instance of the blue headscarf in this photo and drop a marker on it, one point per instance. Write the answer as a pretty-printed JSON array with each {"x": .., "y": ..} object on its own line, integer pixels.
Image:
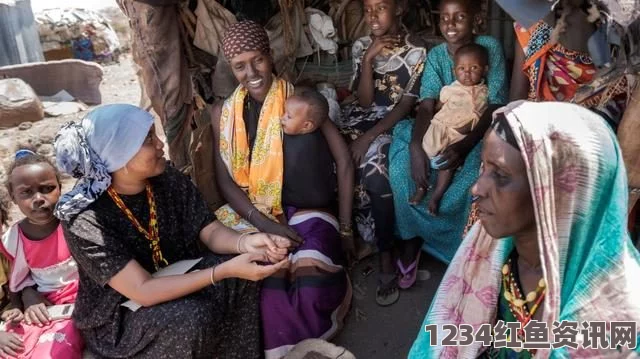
[{"x": 106, "y": 139}]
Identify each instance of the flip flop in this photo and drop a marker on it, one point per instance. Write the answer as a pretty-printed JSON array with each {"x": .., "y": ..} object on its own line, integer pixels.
[
  {"x": 409, "y": 274},
  {"x": 392, "y": 297}
]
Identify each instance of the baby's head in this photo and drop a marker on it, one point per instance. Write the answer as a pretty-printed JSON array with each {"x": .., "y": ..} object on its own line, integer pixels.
[
  {"x": 471, "y": 64},
  {"x": 305, "y": 112},
  {"x": 33, "y": 183}
]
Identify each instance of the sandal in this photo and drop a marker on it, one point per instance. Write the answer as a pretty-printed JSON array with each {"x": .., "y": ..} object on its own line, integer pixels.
[
  {"x": 410, "y": 274},
  {"x": 387, "y": 283}
]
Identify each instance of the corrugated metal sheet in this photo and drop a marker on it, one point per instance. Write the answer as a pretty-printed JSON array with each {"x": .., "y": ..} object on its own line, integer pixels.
[{"x": 19, "y": 39}]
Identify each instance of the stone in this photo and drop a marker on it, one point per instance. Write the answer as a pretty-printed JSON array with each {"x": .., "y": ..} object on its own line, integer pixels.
[
  {"x": 25, "y": 126},
  {"x": 18, "y": 103}
]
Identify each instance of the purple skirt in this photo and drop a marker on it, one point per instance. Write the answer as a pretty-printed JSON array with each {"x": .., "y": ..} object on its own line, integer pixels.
[{"x": 311, "y": 298}]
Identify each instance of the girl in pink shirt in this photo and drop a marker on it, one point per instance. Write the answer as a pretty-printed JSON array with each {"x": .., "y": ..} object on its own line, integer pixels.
[{"x": 43, "y": 273}]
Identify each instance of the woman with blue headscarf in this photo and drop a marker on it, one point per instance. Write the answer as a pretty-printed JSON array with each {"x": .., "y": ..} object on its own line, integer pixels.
[
  {"x": 551, "y": 244},
  {"x": 129, "y": 216}
]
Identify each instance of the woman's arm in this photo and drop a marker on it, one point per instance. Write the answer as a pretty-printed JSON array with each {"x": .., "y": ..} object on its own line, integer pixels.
[
  {"x": 345, "y": 169},
  {"x": 519, "y": 80},
  {"x": 419, "y": 161},
  {"x": 135, "y": 283},
  {"x": 365, "y": 78},
  {"x": 365, "y": 83}
]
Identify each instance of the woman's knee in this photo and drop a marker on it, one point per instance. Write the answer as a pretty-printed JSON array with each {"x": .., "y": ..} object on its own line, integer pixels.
[{"x": 377, "y": 184}]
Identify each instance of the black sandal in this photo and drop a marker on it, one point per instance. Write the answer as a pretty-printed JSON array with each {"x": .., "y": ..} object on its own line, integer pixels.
[{"x": 387, "y": 292}]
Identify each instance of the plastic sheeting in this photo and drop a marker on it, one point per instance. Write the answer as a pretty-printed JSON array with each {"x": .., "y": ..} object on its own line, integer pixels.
[{"x": 19, "y": 40}]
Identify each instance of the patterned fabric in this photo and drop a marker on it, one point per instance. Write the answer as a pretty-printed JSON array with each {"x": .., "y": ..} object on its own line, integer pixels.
[
  {"x": 258, "y": 171},
  {"x": 442, "y": 234},
  {"x": 556, "y": 73},
  {"x": 245, "y": 36},
  {"x": 151, "y": 233},
  {"x": 220, "y": 321},
  {"x": 396, "y": 74},
  {"x": 579, "y": 189},
  {"x": 103, "y": 143},
  {"x": 462, "y": 107}
]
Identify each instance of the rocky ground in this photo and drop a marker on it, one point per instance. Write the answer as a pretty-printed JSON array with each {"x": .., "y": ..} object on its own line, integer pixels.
[
  {"x": 119, "y": 85},
  {"x": 370, "y": 330}
]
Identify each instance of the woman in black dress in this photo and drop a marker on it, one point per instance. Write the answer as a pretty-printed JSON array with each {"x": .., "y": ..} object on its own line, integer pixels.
[{"x": 129, "y": 216}]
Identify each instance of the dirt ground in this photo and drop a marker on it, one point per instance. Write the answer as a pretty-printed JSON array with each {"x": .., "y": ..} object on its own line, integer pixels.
[
  {"x": 370, "y": 331},
  {"x": 119, "y": 85}
]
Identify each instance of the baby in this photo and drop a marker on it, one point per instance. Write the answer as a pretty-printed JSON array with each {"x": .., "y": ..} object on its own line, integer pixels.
[
  {"x": 462, "y": 104},
  {"x": 313, "y": 147}
]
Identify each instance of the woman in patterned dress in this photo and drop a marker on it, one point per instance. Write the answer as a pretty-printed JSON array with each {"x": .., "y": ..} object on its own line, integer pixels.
[
  {"x": 130, "y": 215},
  {"x": 387, "y": 70}
]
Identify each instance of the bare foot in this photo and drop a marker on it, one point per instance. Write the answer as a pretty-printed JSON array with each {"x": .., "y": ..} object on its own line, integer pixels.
[
  {"x": 433, "y": 206},
  {"x": 417, "y": 196}
]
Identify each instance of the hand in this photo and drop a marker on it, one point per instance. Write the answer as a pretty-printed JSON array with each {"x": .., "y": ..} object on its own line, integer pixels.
[
  {"x": 380, "y": 43},
  {"x": 359, "y": 149},
  {"x": 275, "y": 247},
  {"x": 420, "y": 166},
  {"x": 10, "y": 344},
  {"x": 454, "y": 155},
  {"x": 37, "y": 314},
  {"x": 12, "y": 315},
  {"x": 283, "y": 230},
  {"x": 244, "y": 266}
]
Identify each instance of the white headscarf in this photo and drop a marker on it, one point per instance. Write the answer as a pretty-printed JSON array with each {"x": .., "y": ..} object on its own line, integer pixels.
[{"x": 106, "y": 139}]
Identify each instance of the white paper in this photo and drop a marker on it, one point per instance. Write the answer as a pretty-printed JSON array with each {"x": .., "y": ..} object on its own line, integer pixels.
[{"x": 177, "y": 268}]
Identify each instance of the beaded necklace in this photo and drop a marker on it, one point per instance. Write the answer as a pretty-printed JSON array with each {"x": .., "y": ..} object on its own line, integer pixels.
[
  {"x": 514, "y": 297},
  {"x": 152, "y": 233}
]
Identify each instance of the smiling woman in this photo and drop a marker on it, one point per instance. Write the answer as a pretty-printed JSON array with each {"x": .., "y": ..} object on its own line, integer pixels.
[{"x": 310, "y": 298}]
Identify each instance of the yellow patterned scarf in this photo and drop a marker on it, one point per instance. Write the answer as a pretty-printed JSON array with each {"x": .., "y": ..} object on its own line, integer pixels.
[{"x": 261, "y": 178}]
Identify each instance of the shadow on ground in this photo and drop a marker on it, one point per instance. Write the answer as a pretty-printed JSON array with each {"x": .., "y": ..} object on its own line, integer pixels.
[{"x": 376, "y": 332}]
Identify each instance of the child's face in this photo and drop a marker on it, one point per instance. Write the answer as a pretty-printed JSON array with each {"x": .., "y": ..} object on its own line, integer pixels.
[
  {"x": 295, "y": 120},
  {"x": 381, "y": 16},
  {"x": 35, "y": 189},
  {"x": 456, "y": 22},
  {"x": 469, "y": 69}
]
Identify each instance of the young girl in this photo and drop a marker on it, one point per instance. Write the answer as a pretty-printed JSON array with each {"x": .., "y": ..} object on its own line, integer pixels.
[
  {"x": 441, "y": 235},
  {"x": 462, "y": 103},
  {"x": 43, "y": 273},
  {"x": 387, "y": 70}
]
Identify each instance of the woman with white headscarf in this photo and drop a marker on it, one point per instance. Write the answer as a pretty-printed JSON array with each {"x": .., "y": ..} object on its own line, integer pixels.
[
  {"x": 551, "y": 244},
  {"x": 127, "y": 217}
]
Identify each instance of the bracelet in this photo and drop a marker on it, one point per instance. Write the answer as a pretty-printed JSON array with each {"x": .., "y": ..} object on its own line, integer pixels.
[
  {"x": 242, "y": 236},
  {"x": 347, "y": 233},
  {"x": 213, "y": 270}
]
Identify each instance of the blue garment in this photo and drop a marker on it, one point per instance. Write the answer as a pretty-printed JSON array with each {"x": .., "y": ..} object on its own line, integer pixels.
[
  {"x": 103, "y": 143},
  {"x": 442, "y": 234}
]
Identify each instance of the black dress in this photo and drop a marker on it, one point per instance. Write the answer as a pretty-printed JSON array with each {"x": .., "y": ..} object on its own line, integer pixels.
[{"x": 216, "y": 322}]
